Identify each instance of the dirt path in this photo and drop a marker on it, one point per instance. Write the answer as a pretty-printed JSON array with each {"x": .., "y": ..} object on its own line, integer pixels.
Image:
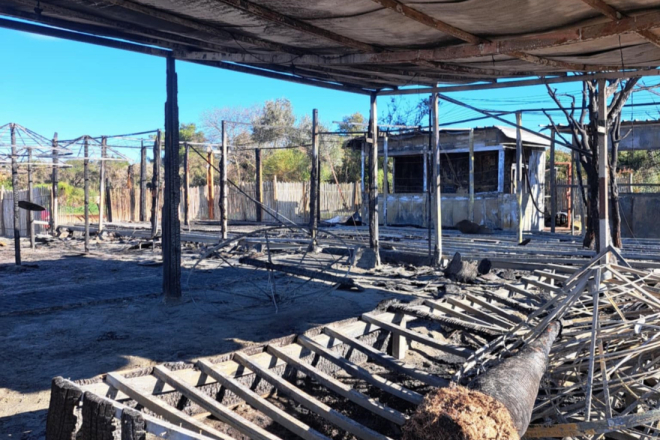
[{"x": 125, "y": 324}]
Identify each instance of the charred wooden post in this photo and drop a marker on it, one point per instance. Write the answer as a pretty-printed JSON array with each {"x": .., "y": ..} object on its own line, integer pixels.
[
  {"x": 259, "y": 183},
  {"x": 54, "y": 200},
  {"x": 471, "y": 166},
  {"x": 143, "y": 182},
  {"x": 210, "y": 188},
  {"x": 131, "y": 188},
  {"x": 499, "y": 401},
  {"x": 108, "y": 199},
  {"x": 315, "y": 138},
  {"x": 223, "y": 183},
  {"x": 171, "y": 223},
  {"x": 133, "y": 426},
  {"x": 62, "y": 419},
  {"x": 313, "y": 179},
  {"x": 373, "y": 181},
  {"x": 97, "y": 418},
  {"x": 86, "y": 189},
  {"x": 102, "y": 195},
  {"x": 553, "y": 184},
  {"x": 14, "y": 185},
  {"x": 603, "y": 171},
  {"x": 427, "y": 184},
  {"x": 519, "y": 175},
  {"x": 437, "y": 185},
  {"x": 155, "y": 185},
  {"x": 186, "y": 184},
  {"x": 363, "y": 188},
  {"x": 386, "y": 185},
  {"x": 30, "y": 214}
]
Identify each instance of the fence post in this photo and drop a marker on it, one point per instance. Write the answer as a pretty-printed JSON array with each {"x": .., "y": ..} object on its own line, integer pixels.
[
  {"x": 102, "y": 195},
  {"x": 259, "y": 183},
  {"x": 143, "y": 182},
  {"x": 14, "y": 184},
  {"x": 86, "y": 184},
  {"x": 210, "y": 189}
]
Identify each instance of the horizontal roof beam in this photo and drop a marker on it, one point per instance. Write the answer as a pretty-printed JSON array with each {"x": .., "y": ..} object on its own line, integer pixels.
[{"x": 462, "y": 51}]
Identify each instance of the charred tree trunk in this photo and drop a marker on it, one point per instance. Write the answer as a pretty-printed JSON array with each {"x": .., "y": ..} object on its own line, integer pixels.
[
  {"x": 498, "y": 404},
  {"x": 615, "y": 138}
]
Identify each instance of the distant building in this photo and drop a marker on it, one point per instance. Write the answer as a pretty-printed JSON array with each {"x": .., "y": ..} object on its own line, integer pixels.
[{"x": 495, "y": 203}]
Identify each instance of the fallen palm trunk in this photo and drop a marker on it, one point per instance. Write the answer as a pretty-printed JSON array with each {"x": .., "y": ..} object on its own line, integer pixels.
[{"x": 496, "y": 405}]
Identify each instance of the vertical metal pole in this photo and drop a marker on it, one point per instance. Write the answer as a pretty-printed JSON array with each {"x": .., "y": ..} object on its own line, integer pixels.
[
  {"x": 210, "y": 188},
  {"x": 223, "y": 183},
  {"x": 30, "y": 214},
  {"x": 186, "y": 183},
  {"x": 373, "y": 181},
  {"x": 471, "y": 165},
  {"x": 259, "y": 183},
  {"x": 86, "y": 184},
  {"x": 437, "y": 186},
  {"x": 519, "y": 175},
  {"x": 603, "y": 196},
  {"x": 54, "y": 204},
  {"x": 155, "y": 184},
  {"x": 171, "y": 224},
  {"x": 143, "y": 182},
  {"x": 14, "y": 185},
  {"x": 553, "y": 184},
  {"x": 102, "y": 182},
  {"x": 313, "y": 179},
  {"x": 386, "y": 185}
]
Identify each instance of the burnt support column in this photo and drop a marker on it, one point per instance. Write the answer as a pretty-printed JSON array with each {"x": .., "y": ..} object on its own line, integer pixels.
[
  {"x": 186, "y": 184},
  {"x": 437, "y": 185},
  {"x": 313, "y": 178},
  {"x": 363, "y": 188},
  {"x": 54, "y": 200},
  {"x": 171, "y": 225},
  {"x": 210, "y": 188},
  {"x": 373, "y": 181},
  {"x": 386, "y": 185},
  {"x": 315, "y": 139},
  {"x": 14, "y": 185},
  {"x": 259, "y": 182},
  {"x": 102, "y": 182},
  {"x": 155, "y": 185},
  {"x": 62, "y": 419},
  {"x": 30, "y": 214},
  {"x": 553, "y": 185},
  {"x": 143, "y": 182},
  {"x": 223, "y": 183},
  {"x": 86, "y": 189},
  {"x": 519, "y": 175},
  {"x": 471, "y": 166},
  {"x": 603, "y": 193}
]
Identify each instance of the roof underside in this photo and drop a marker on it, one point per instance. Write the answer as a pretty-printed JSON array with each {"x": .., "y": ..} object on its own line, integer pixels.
[{"x": 368, "y": 45}]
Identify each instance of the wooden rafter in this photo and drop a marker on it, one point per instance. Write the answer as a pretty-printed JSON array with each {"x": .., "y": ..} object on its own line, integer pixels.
[
  {"x": 617, "y": 15},
  {"x": 298, "y": 25},
  {"x": 468, "y": 37},
  {"x": 564, "y": 37},
  {"x": 199, "y": 26}
]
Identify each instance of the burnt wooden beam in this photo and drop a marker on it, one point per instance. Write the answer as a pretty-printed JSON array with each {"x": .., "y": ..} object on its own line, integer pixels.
[
  {"x": 62, "y": 419},
  {"x": 344, "y": 282},
  {"x": 186, "y": 184},
  {"x": 54, "y": 209},
  {"x": 427, "y": 20},
  {"x": 224, "y": 211},
  {"x": 171, "y": 226},
  {"x": 373, "y": 180},
  {"x": 259, "y": 184},
  {"x": 617, "y": 15},
  {"x": 203, "y": 27},
  {"x": 102, "y": 195},
  {"x": 564, "y": 37},
  {"x": 295, "y": 24},
  {"x": 210, "y": 188},
  {"x": 313, "y": 180},
  {"x": 30, "y": 214}
]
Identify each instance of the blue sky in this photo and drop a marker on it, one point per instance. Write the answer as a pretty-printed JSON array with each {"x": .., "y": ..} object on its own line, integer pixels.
[{"x": 49, "y": 85}]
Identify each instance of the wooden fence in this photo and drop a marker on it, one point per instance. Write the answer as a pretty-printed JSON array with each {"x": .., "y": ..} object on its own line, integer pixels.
[{"x": 288, "y": 199}]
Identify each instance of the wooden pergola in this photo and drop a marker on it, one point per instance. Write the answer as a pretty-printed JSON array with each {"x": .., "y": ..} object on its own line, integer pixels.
[{"x": 372, "y": 47}]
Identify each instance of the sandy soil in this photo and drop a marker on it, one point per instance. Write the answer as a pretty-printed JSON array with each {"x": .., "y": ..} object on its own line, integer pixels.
[{"x": 125, "y": 324}]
